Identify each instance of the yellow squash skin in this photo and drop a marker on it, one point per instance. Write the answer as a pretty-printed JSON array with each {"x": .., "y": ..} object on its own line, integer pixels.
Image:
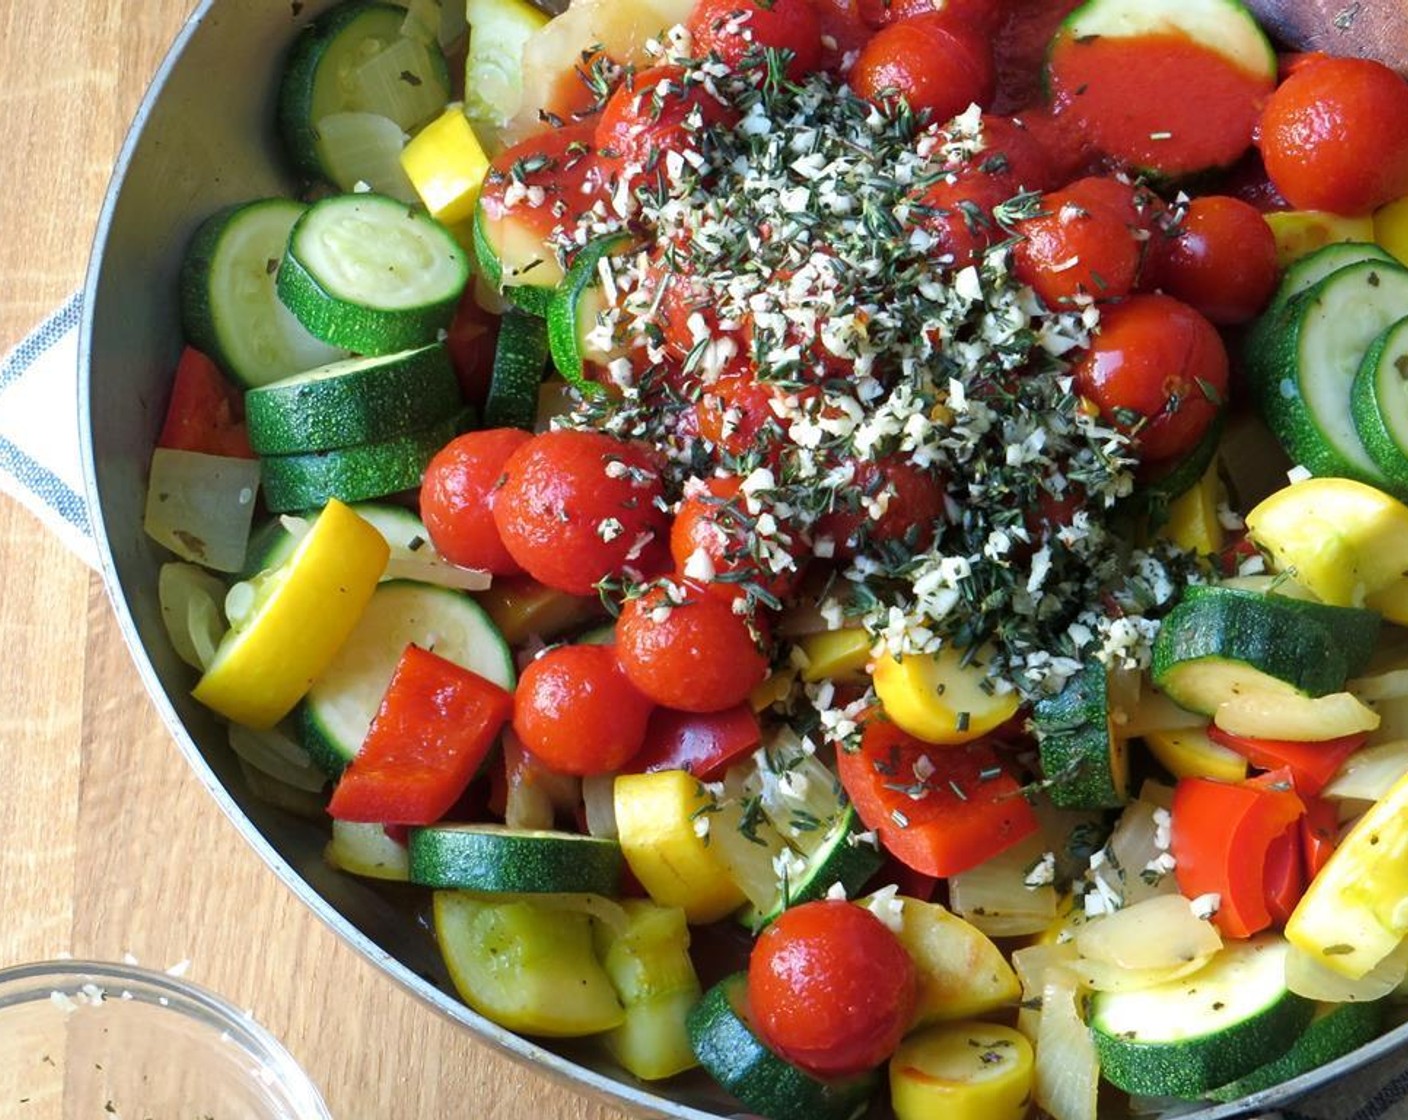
[
  {"x": 656, "y": 818},
  {"x": 1341, "y": 539},
  {"x": 1355, "y": 912},
  {"x": 939, "y": 698},
  {"x": 310, "y": 605},
  {"x": 962, "y": 1071},
  {"x": 446, "y": 164}
]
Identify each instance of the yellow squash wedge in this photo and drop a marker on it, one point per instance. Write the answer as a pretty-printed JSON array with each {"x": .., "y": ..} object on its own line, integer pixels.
[
  {"x": 1192, "y": 522},
  {"x": 1341, "y": 539},
  {"x": 302, "y": 613},
  {"x": 1299, "y": 233},
  {"x": 1355, "y": 912},
  {"x": 962, "y": 1071},
  {"x": 446, "y": 164},
  {"x": 663, "y": 821},
  {"x": 942, "y": 698},
  {"x": 961, "y": 973},
  {"x": 1189, "y": 753},
  {"x": 835, "y": 654},
  {"x": 1390, "y": 228}
]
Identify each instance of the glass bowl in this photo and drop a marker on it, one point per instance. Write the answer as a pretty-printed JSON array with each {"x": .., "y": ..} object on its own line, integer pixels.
[{"x": 84, "y": 1038}]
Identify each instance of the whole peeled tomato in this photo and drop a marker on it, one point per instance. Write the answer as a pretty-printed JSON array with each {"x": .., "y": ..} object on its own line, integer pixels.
[
  {"x": 830, "y": 988},
  {"x": 576, "y": 507},
  {"x": 687, "y": 649},
  {"x": 712, "y": 527},
  {"x": 656, "y": 111},
  {"x": 1221, "y": 262},
  {"x": 1158, "y": 372},
  {"x": 577, "y": 713},
  {"x": 1334, "y": 136},
  {"x": 930, "y": 61},
  {"x": 1087, "y": 239},
  {"x": 457, "y": 499},
  {"x": 734, "y": 29}
]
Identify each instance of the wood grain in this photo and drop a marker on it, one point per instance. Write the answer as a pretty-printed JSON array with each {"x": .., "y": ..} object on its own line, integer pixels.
[{"x": 110, "y": 844}]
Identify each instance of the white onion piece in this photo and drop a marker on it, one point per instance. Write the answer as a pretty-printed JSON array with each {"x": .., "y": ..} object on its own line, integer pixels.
[
  {"x": 1132, "y": 847},
  {"x": 1066, "y": 1081},
  {"x": 1369, "y": 773},
  {"x": 1393, "y": 721},
  {"x": 995, "y": 897},
  {"x": 381, "y": 81},
  {"x": 1310, "y": 978},
  {"x": 1156, "y": 712},
  {"x": 200, "y": 506},
  {"x": 357, "y": 148},
  {"x": 277, "y": 755},
  {"x": 1031, "y": 964},
  {"x": 190, "y": 599},
  {"x": 1101, "y": 976},
  {"x": 1392, "y": 685},
  {"x": 599, "y": 800},
  {"x": 366, "y": 849},
  {"x": 1301, "y": 718},
  {"x": 1160, "y": 933},
  {"x": 752, "y": 859},
  {"x": 427, "y": 566}
]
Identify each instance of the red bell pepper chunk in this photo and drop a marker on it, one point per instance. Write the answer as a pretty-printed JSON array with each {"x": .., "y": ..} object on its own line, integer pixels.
[
  {"x": 1221, "y": 838},
  {"x": 1319, "y": 834},
  {"x": 938, "y": 810},
  {"x": 1285, "y": 875},
  {"x": 704, "y": 743},
  {"x": 432, "y": 731},
  {"x": 206, "y": 412},
  {"x": 1312, "y": 764}
]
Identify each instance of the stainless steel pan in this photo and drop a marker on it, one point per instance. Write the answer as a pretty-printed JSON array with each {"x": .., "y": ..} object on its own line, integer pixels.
[{"x": 204, "y": 138}]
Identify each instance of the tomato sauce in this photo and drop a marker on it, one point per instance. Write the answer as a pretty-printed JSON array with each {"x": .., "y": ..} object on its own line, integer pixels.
[{"x": 1134, "y": 97}]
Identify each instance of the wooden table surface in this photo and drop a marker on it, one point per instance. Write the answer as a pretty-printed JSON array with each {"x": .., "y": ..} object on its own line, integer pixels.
[{"x": 110, "y": 846}]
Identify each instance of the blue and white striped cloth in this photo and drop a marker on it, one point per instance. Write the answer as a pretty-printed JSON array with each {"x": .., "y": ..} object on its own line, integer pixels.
[{"x": 40, "y": 465}]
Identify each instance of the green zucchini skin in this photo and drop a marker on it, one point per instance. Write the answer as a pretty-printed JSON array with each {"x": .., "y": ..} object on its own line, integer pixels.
[
  {"x": 1189, "y": 1036},
  {"x": 563, "y": 317},
  {"x": 1335, "y": 1031},
  {"x": 1221, "y": 641},
  {"x": 726, "y": 1046},
  {"x": 1085, "y": 762},
  {"x": 534, "y": 299},
  {"x": 294, "y": 483},
  {"x": 520, "y": 360},
  {"x": 1302, "y": 358},
  {"x": 305, "y": 83},
  {"x": 487, "y": 858},
  {"x": 1379, "y": 404},
  {"x": 361, "y": 400}
]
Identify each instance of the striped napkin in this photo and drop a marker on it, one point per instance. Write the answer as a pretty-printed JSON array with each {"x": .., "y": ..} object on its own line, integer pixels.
[{"x": 41, "y": 466}]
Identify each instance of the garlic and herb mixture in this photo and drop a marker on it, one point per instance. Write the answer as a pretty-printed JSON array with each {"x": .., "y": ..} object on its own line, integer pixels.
[{"x": 804, "y": 220}]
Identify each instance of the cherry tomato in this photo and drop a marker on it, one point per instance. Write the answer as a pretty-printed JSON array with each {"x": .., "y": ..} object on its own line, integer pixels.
[
  {"x": 1222, "y": 261},
  {"x": 576, "y": 507},
  {"x": 653, "y": 113},
  {"x": 470, "y": 341},
  {"x": 562, "y": 163},
  {"x": 897, "y": 502},
  {"x": 843, "y": 31},
  {"x": 736, "y": 414},
  {"x": 1156, "y": 370},
  {"x": 457, "y": 499},
  {"x": 933, "y": 64},
  {"x": 577, "y": 712},
  {"x": 979, "y": 15},
  {"x": 734, "y": 29},
  {"x": 715, "y": 522},
  {"x": 958, "y": 215},
  {"x": 682, "y": 302},
  {"x": 1013, "y": 150},
  {"x": 687, "y": 649},
  {"x": 830, "y": 988},
  {"x": 1334, "y": 136},
  {"x": 1087, "y": 240}
]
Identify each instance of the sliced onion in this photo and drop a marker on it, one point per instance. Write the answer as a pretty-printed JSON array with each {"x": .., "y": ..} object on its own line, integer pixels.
[
  {"x": 1392, "y": 685},
  {"x": 1101, "y": 976},
  {"x": 1369, "y": 773},
  {"x": 1160, "y": 933},
  {"x": 300, "y": 802},
  {"x": 1133, "y": 847},
  {"x": 750, "y": 856},
  {"x": 1301, "y": 718},
  {"x": 365, "y": 148},
  {"x": 599, "y": 801},
  {"x": 1066, "y": 1081},
  {"x": 190, "y": 599},
  {"x": 1156, "y": 712},
  {"x": 200, "y": 506},
  {"x": 995, "y": 897},
  {"x": 366, "y": 849},
  {"x": 535, "y": 794},
  {"x": 277, "y": 755},
  {"x": 1310, "y": 978},
  {"x": 381, "y": 81},
  {"x": 1031, "y": 964}
]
